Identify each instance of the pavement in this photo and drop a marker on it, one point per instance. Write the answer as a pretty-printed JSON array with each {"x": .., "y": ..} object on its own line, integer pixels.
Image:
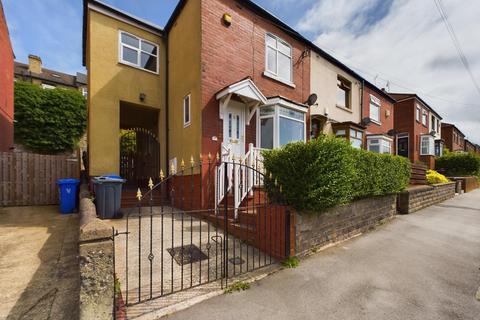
[
  {"x": 39, "y": 277},
  {"x": 425, "y": 265}
]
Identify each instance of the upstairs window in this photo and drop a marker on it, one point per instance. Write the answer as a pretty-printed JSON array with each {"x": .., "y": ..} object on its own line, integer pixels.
[
  {"x": 374, "y": 109},
  {"x": 343, "y": 93},
  {"x": 138, "y": 52},
  {"x": 417, "y": 114},
  {"x": 278, "y": 59},
  {"x": 424, "y": 117},
  {"x": 186, "y": 111}
]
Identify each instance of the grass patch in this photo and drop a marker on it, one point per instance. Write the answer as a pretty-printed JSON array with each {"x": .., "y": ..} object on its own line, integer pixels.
[
  {"x": 237, "y": 286},
  {"x": 117, "y": 287},
  {"x": 291, "y": 262}
]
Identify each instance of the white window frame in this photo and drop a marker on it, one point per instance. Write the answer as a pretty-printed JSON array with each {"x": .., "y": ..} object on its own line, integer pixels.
[
  {"x": 424, "y": 117},
  {"x": 185, "y": 122},
  {"x": 48, "y": 86},
  {"x": 139, "y": 52},
  {"x": 84, "y": 91},
  {"x": 376, "y": 103},
  {"x": 431, "y": 145},
  {"x": 418, "y": 114},
  {"x": 275, "y": 75},
  {"x": 381, "y": 143},
  {"x": 276, "y": 123}
]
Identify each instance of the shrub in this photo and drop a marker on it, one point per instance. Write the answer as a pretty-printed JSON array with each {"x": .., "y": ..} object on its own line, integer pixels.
[
  {"x": 458, "y": 164},
  {"x": 327, "y": 171},
  {"x": 379, "y": 174},
  {"x": 433, "y": 177},
  {"x": 314, "y": 175},
  {"x": 48, "y": 121}
]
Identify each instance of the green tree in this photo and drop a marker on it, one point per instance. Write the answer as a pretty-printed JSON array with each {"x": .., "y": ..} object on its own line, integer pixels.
[{"x": 49, "y": 121}]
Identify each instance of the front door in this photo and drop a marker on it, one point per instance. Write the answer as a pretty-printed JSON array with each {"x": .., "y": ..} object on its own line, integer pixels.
[
  {"x": 234, "y": 128},
  {"x": 403, "y": 147}
]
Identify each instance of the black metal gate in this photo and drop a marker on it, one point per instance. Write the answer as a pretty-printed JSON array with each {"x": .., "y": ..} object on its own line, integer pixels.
[
  {"x": 195, "y": 237},
  {"x": 139, "y": 155}
]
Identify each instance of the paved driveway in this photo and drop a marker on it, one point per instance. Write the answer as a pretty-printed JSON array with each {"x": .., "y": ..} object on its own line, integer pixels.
[
  {"x": 39, "y": 276},
  {"x": 421, "y": 266}
]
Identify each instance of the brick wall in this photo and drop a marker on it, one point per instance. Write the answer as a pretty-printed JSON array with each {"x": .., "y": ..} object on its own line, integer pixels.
[
  {"x": 6, "y": 86},
  {"x": 341, "y": 223},
  {"x": 468, "y": 183},
  {"x": 230, "y": 54},
  {"x": 386, "y": 123},
  {"x": 417, "y": 198}
]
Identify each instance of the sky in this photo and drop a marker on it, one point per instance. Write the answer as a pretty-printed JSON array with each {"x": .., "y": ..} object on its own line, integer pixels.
[{"x": 402, "y": 45}]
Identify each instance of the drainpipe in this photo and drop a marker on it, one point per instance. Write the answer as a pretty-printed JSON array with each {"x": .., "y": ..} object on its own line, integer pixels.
[
  {"x": 361, "y": 100},
  {"x": 167, "y": 85}
]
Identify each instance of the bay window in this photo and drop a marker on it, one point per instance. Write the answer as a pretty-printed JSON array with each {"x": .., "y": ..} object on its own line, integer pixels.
[
  {"x": 427, "y": 145},
  {"x": 280, "y": 125},
  {"x": 349, "y": 131},
  {"x": 379, "y": 144}
]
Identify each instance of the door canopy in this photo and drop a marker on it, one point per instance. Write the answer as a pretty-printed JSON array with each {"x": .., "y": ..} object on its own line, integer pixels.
[{"x": 247, "y": 91}]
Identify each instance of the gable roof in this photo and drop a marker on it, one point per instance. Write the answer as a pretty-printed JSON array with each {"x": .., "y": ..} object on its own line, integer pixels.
[
  {"x": 445, "y": 125},
  {"x": 21, "y": 70},
  {"x": 399, "y": 97}
]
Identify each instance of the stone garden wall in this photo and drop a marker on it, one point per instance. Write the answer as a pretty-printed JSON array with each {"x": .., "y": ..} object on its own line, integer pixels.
[
  {"x": 341, "y": 223},
  {"x": 419, "y": 197}
]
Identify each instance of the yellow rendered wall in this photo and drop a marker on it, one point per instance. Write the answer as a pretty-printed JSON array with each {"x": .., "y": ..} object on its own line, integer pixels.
[
  {"x": 323, "y": 82},
  {"x": 111, "y": 82},
  {"x": 184, "y": 45}
]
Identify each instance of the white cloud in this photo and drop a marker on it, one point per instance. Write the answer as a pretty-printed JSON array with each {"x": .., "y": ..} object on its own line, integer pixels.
[{"x": 409, "y": 47}]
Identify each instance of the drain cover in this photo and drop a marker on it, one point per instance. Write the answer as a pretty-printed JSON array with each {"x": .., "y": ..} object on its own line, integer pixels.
[
  {"x": 191, "y": 253},
  {"x": 236, "y": 261}
]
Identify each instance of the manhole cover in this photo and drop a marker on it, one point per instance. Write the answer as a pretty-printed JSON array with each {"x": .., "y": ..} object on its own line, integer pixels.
[
  {"x": 236, "y": 261},
  {"x": 191, "y": 253}
]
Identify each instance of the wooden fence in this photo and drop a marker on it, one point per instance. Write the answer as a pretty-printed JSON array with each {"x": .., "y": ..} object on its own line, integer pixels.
[
  {"x": 30, "y": 179},
  {"x": 419, "y": 174}
]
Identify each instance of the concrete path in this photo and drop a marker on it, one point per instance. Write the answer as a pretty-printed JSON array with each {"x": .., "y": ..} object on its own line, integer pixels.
[
  {"x": 421, "y": 266},
  {"x": 39, "y": 276}
]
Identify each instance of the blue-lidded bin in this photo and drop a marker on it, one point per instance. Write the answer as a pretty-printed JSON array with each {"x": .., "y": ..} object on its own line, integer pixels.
[
  {"x": 108, "y": 195},
  {"x": 67, "y": 190}
]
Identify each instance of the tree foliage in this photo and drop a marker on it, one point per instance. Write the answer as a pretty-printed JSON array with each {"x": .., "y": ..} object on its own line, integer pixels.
[{"x": 49, "y": 120}]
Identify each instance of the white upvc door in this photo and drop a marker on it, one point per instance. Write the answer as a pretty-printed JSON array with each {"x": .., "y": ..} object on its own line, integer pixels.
[{"x": 234, "y": 128}]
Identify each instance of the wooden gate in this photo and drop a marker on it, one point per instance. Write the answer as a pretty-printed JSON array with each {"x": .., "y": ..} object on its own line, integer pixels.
[{"x": 31, "y": 179}]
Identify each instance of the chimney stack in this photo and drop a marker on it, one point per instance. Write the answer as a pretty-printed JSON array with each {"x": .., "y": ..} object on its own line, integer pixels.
[{"x": 34, "y": 64}]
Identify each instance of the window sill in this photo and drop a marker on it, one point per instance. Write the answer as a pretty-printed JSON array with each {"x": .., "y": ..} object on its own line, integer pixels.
[
  {"x": 376, "y": 122},
  {"x": 131, "y": 65},
  {"x": 344, "y": 109},
  {"x": 186, "y": 125},
  {"x": 274, "y": 77}
]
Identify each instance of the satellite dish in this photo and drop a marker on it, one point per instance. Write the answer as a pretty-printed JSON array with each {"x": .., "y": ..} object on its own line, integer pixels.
[
  {"x": 392, "y": 132},
  {"x": 433, "y": 133},
  {"x": 366, "y": 121},
  {"x": 312, "y": 99}
]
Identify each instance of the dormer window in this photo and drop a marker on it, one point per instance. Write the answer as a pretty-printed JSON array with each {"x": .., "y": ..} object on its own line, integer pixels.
[
  {"x": 137, "y": 52},
  {"x": 278, "y": 59}
]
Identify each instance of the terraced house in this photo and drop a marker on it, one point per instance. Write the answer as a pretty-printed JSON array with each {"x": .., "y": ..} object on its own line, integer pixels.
[{"x": 223, "y": 77}]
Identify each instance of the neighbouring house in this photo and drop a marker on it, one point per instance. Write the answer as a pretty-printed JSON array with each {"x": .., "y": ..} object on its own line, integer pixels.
[
  {"x": 418, "y": 129},
  {"x": 378, "y": 114},
  {"x": 454, "y": 138},
  {"x": 35, "y": 73},
  {"x": 470, "y": 146},
  {"x": 6, "y": 85}
]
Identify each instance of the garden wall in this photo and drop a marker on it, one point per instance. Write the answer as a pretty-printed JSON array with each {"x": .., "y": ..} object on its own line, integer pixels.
[
  {"x": 342, "y": 222},
  {"x": 419, "y": 197},
  {"x": 468, "y": 183}
]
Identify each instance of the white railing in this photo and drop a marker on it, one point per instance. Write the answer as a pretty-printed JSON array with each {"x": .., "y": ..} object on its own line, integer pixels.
[{"x": 249, "y": 173}]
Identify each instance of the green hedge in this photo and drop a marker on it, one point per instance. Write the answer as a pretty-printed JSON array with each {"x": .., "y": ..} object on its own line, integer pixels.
[
  {"x": 458, "y": 164},
  {"x": 48, "y": 121},
  {"x": 327, "y": 171}
]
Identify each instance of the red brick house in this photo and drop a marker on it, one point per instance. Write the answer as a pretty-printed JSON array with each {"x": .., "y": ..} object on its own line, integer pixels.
[
  {"x": 470, "y": 146},
  {"x": 454, "y": 138},
  {"x": 6, "y": 85},
  {"x": 418, "y": 129},
  {"x": 378, "y": 114}
]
